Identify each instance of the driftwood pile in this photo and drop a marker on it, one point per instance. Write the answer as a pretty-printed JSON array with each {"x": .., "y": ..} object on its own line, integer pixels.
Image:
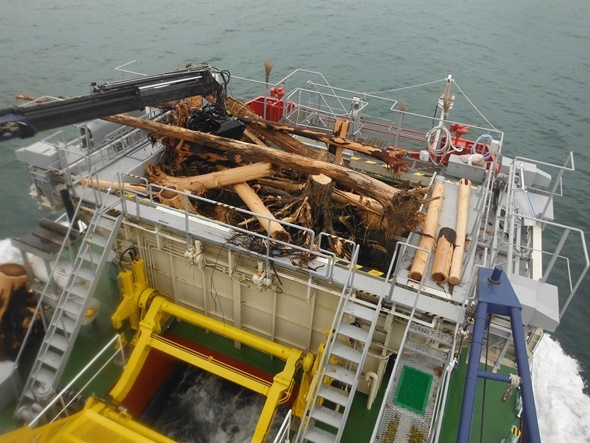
[{"x": 274, "y": 175}]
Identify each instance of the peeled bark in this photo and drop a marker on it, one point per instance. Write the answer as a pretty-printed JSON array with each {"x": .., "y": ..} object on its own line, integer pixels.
[
  {"x": 261, "y": 212},
  {"x": 430, "y": 225},
  {"x": 462, "y": 219},
  {"x": 199, "y": 183}
]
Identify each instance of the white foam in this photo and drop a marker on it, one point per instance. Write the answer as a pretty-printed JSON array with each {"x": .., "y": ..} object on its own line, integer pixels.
[
  {"x": 8, "y": 253},
  {"x": 562, "y": 407}
]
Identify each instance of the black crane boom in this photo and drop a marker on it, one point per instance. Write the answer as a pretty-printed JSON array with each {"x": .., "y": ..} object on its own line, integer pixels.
[{"x": 113, "y": 98}]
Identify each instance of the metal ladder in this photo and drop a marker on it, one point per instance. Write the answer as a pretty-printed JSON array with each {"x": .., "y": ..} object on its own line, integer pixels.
[
  {"x": 418, "y": 332},
  {"x": 70, "y": 311},
  {"x": 329, "y": 404}
]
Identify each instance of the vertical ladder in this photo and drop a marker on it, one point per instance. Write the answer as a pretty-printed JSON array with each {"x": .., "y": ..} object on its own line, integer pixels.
[
  {"x": 330, "y": 399},
  {"x": 70, "y": 311}
]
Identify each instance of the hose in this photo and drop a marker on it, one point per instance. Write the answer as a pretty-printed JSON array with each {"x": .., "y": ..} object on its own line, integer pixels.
[
  {"x": 444, "y": 149},
  {"x": 481, "y": 138}
]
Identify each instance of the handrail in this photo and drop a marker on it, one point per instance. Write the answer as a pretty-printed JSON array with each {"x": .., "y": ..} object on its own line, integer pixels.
[
  {"x": 70, "y": 384},
  {"x": 443, "y": 394},
  {"x": 556, "y": 181},
  {"x": 50, "y": 278},
  {"x": 556, "y": 254},
  {"x": 152, "y": 189},
  {"x": 78, "y": 162},
  {"x": 345, "y": 295},
  {"x": 283, "y": 433},
  {"x": 393, "y": 268},
  {"x": 512, "y": 216}
]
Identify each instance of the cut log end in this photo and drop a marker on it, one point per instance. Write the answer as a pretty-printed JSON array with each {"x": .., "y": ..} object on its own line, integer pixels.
[
  {"x": 415, "y": 275},
  {"x": 444, "y": 254},
  {"x": 282, "y": 236}
]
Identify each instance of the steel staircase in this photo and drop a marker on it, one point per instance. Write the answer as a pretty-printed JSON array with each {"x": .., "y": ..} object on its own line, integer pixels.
[
  {"x": 420, "y": 338},
  {"x": 70, "y": 310},
  {"x": 332, "y": 393}
]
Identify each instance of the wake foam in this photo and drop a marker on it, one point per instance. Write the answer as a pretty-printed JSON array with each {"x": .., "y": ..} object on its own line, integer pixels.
[
  {"x": 562, "y": 407},
  {"x": 8, "y": 253}
]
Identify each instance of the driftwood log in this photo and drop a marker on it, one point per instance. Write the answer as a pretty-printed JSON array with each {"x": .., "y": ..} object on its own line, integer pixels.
[
  {"x": 391, "y": 157},
  {"x": 115, "y": 186},
  {"x": 277, "y": 138},
  {"x": 361, "y": 183},
  {"x": 444, "y": 254},
  {"x": 264, "y": 216},
  {"x": 462, "y": 219},
  {"x": 429, "y": 231},
  {"x": 340, "y": 131},
  {"x": 199, "y": 183},
  {"x": 172, "y": 198}
]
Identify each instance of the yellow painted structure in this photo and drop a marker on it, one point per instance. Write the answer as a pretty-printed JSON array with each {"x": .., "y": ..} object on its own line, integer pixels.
[
  {"x": 97, "y": 423},
  {"x": 149, "y": 338},
  {"x": 137, "y": 295},
  {"x": 134, "y": 287},
  {"x": 104, "y": 421}
]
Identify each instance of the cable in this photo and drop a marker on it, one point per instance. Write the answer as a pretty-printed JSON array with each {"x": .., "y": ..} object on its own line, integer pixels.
[
  {"x": 486, "y": 137},
  {"x": 444, "y": 149},
  {"x": 132, "y": 254}
]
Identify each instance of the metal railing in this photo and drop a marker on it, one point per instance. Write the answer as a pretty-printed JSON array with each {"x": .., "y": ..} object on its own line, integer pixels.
[
  {"x": 310, "y": 101},
  {"x": 515, "y": 250},
  {"x": 317, "y": 381},
  {"x": 119, "y": 351},
  {"x": 51, "y": 277},
  {"x": 393, "y": 272},
  {"x": 309, "y": 253},
  {"x": 117, "y": 144},
  {"x": 283, "y": 436}
]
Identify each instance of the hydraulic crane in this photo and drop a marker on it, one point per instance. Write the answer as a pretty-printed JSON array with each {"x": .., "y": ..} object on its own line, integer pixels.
[{"x": 114, "y": 98}]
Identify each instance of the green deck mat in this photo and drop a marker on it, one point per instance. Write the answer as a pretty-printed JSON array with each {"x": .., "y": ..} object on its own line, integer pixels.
[{"x": 413, "y": 390}]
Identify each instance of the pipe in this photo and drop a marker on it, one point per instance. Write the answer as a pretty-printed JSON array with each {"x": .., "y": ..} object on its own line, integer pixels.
[
  {"x": 223, "y": 329},
  {"x": 495, "y": 376},
  {"x": 372, "y": 378}
]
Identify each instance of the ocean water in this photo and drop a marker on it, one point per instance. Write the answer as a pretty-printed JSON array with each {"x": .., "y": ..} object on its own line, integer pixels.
[{"x": 525, "y": 64}]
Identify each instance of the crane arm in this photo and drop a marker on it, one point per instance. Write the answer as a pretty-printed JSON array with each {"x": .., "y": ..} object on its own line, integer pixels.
[{"x": 113, "y": 98}]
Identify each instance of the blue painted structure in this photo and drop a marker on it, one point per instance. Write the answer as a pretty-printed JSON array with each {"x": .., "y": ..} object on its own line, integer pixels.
[{"x": 496, "y": 296}]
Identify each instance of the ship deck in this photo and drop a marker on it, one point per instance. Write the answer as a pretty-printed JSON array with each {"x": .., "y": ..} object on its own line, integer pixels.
[
  {"x": 93, "y": 336},
  {"x": 488, "y": 402}
]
